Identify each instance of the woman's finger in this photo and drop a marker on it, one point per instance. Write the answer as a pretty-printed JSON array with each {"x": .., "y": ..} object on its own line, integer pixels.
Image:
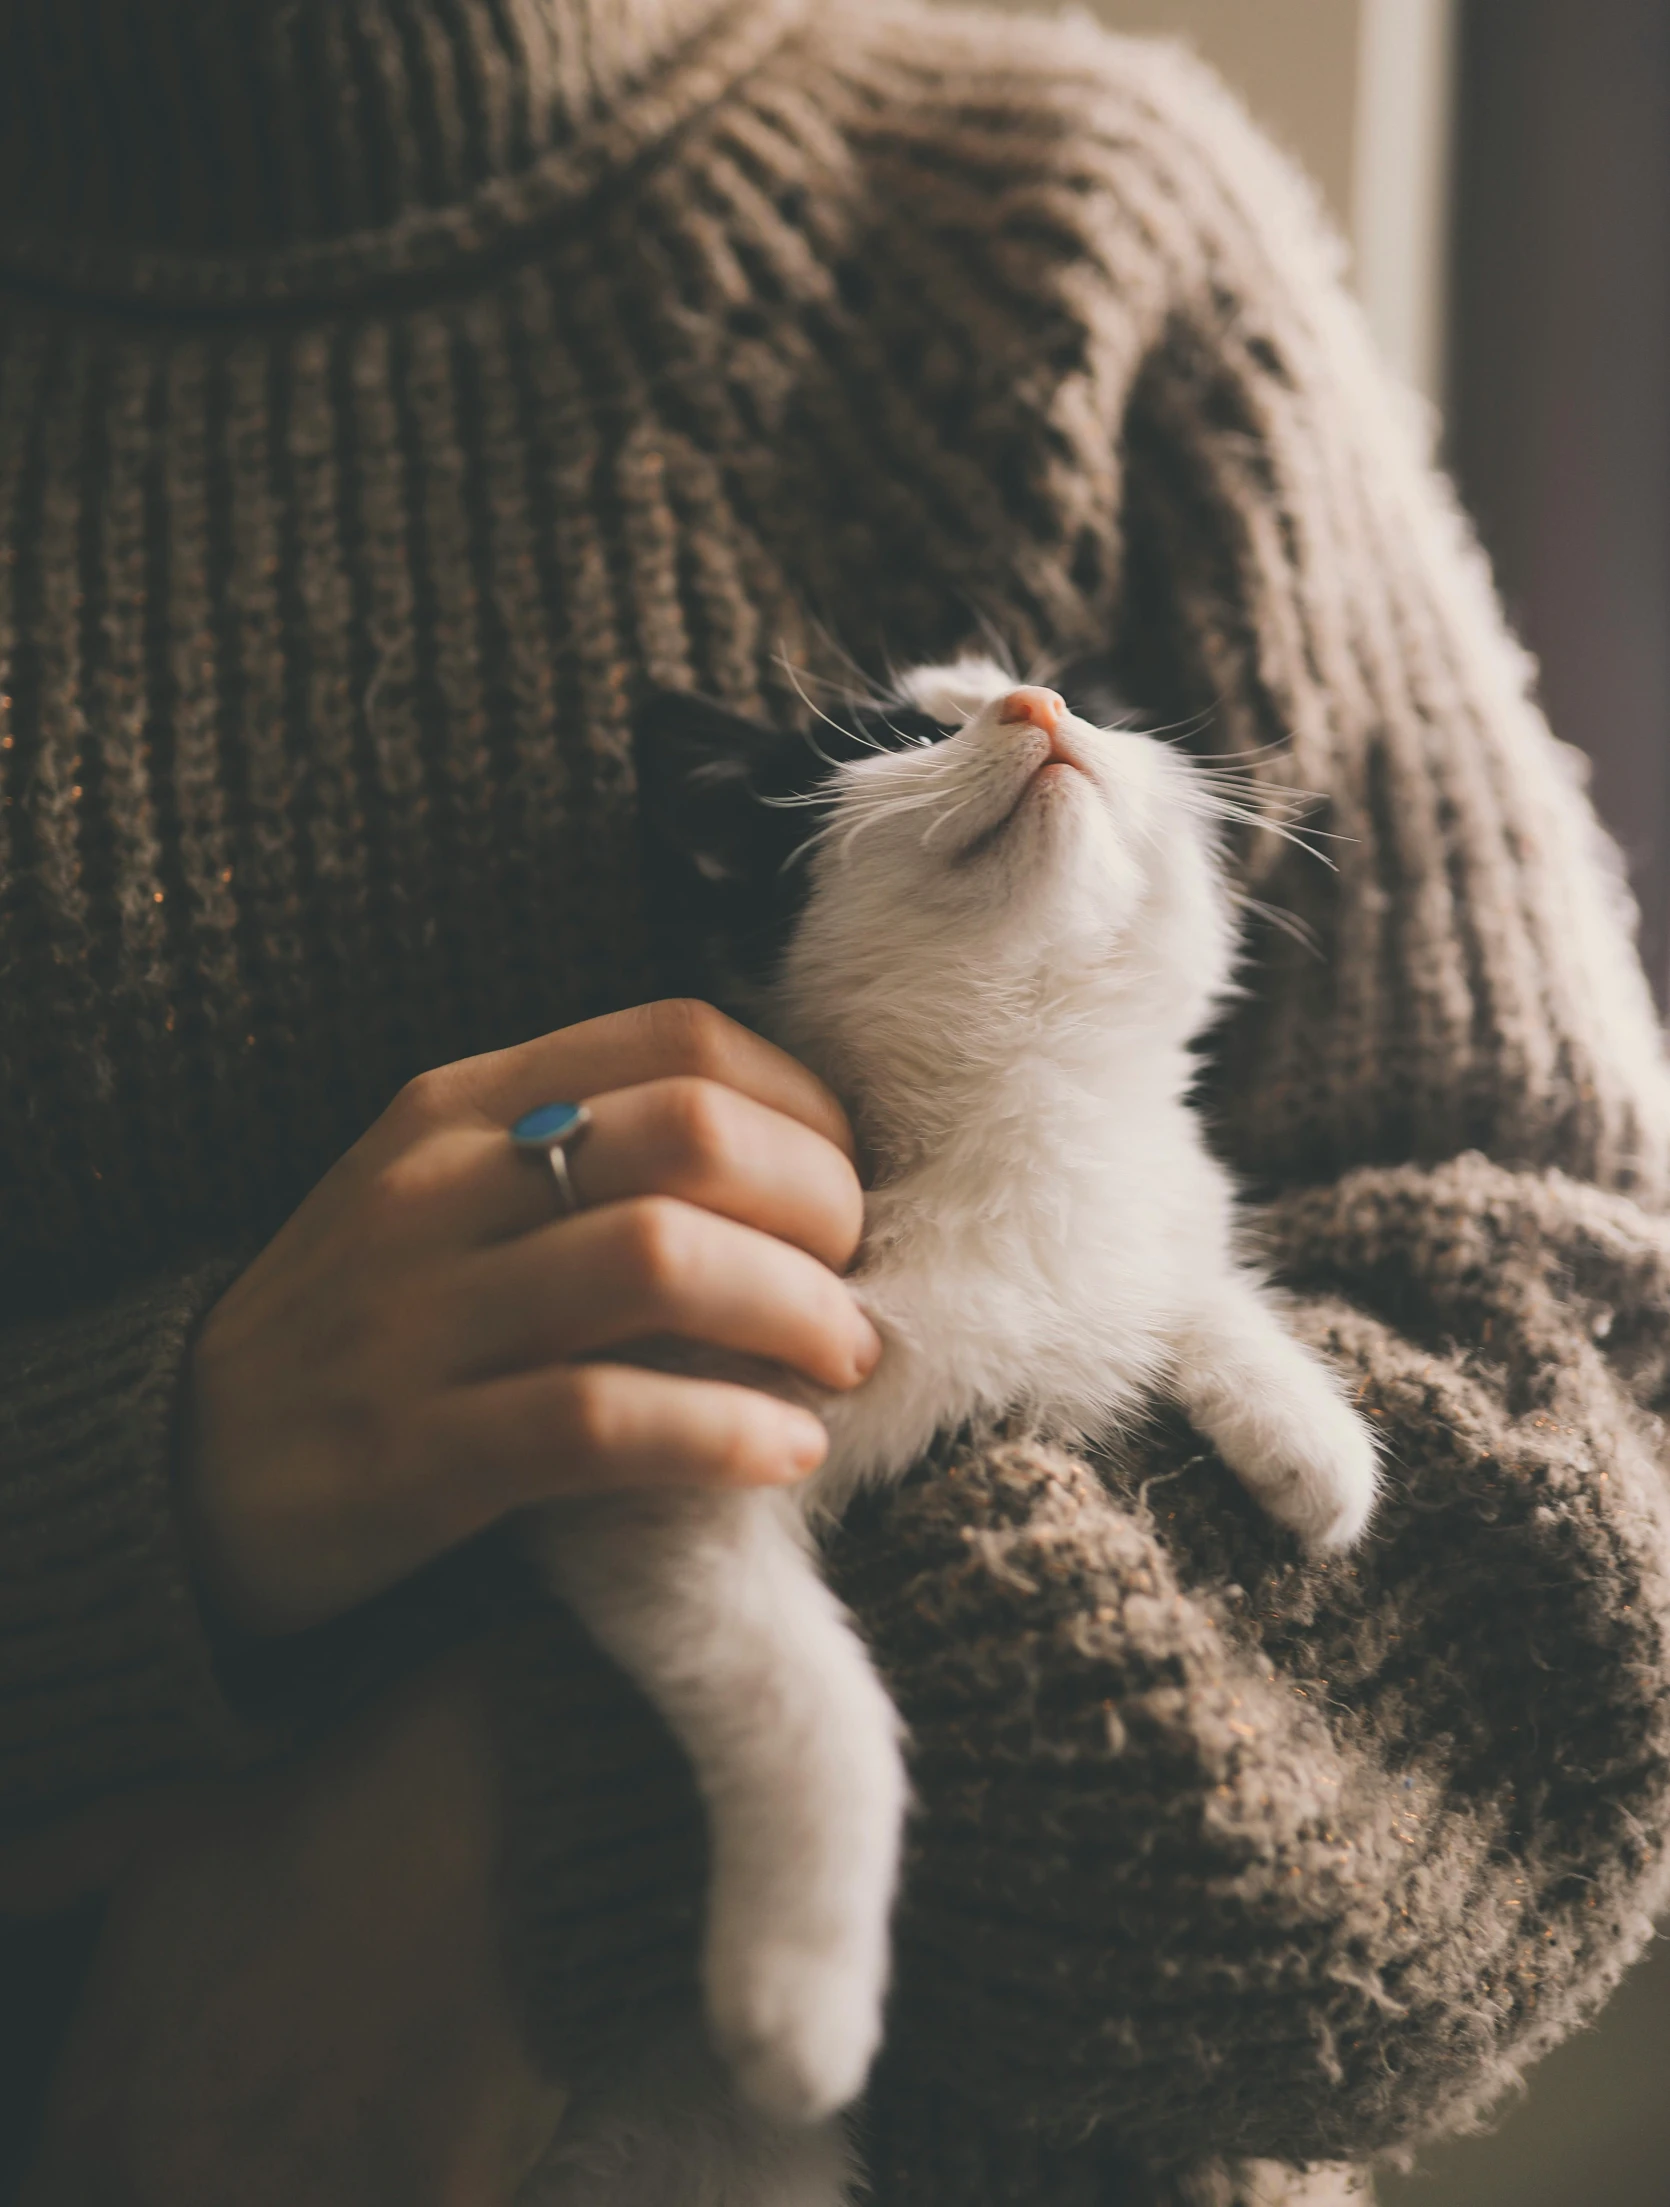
[
  {"x": 627, "y": 1271},
  {"x": 706, "y": 1144},
  {"x": 725, "y": 1152},
  {"x": 585, "y": 1429},
  {"x": 664, "y": 1041}
]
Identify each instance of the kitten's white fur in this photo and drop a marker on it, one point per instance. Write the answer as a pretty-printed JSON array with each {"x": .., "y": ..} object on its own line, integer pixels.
[{"x": 1001, "y": 966}]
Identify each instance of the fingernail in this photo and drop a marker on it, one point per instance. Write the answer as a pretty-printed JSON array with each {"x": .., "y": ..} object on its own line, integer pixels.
[
  {"x": 806, "y": 1444},
  {"x": 867, "y": 1353}
]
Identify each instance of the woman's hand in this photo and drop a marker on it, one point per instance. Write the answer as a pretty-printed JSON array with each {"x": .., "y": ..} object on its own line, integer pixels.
[
  {"x": 299, "y": 1996},
  {"x": 425, "y": 1345}
]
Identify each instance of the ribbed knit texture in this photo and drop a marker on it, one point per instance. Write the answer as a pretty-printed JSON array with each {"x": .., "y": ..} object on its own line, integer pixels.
[
  {"x": 107, "y": 1662},
  {"x": 527, "y": 353},
  {"x": 202, "y": 124}
]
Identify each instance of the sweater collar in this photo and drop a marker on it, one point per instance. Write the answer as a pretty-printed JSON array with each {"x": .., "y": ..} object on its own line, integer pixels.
[{"x": 232, "y": 130}]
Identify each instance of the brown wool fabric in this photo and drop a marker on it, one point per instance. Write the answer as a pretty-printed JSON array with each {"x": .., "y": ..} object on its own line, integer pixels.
[{"x": 390, "y": 391}]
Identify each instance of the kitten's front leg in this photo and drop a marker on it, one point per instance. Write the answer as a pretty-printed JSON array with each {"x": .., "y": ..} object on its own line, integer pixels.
[
  {"x": 713, "y": 1603},
  {"x": 1277, "y": 1416}
]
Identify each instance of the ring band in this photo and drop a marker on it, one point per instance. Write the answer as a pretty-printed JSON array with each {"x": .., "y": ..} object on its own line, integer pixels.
[{"x": 548, "y": 1131}]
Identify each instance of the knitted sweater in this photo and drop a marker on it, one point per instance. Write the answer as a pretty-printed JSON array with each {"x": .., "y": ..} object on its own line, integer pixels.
[{"x": 392, "y": 390}]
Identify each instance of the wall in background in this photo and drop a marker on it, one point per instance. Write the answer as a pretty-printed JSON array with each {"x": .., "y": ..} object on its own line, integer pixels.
[
  {"x": 1296, "y": 64},
  {"x": 1401, "y": 170},
  {"x": 1559, "y": 387}
]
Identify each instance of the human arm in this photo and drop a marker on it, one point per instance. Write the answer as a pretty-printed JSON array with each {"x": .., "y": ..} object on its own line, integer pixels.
[{"x": 108, "y": 1674}]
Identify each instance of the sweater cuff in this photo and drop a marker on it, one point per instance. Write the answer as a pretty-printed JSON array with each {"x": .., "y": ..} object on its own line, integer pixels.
[
  {"x": 109, "y": 1679},
  {"x": 918, "y": 2145}
]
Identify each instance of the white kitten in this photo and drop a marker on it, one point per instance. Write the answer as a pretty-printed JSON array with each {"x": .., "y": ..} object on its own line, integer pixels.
[{"x": 999, "y": 934}]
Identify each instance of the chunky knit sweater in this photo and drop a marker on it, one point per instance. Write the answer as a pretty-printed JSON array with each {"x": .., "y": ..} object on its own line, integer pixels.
[{"x": 392, "y": 390}]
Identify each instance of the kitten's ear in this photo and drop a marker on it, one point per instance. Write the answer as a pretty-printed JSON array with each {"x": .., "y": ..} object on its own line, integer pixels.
[{"x": 696, "y": 766}]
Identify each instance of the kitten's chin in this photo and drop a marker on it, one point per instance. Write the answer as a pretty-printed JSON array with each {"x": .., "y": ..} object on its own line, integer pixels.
[{"x": 1047, "y": 803}]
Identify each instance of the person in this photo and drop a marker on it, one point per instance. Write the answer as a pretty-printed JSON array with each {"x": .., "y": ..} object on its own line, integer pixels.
[{"x": 391, "y": 394}]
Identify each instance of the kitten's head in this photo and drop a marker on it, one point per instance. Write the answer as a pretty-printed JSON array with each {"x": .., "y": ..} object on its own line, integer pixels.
[{"x": 938, "y": 867}]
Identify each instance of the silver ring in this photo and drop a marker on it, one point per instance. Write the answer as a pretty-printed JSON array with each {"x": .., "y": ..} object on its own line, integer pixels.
[{"x": 548, "y": 1131}]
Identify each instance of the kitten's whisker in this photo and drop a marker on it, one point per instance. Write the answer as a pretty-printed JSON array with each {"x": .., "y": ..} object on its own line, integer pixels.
[
  {"x": 917, "y": 743},
  {"x": 869, "y": 810},
  {"x": 839, "y": 653},
  {"x": 1257, "y": 799},
  {"x": 1283, "y": 921},
  {"x": 817, "y": 711},
  {"x": 794, "y": 800},
  {"x": 1260, "y": 793},
  {"x": 1252, "y": 804},
  {"x": 870, "y": 815},
  {"x": 950, "y": 814},
  {"x": 1172, "y": 732},
  {"x": 1278, "y": 746},
  {"x": 997, "y": 644},
  {"x": 1233, "y": 777},
  {"x": 819, "y": 837},
  {"x": 816, "y": 748},
  {"x": 869, "y": 743},
  {"x": 1240, "y": 817},
  {"x": 800, "y": 850},
  {"x": 888, "y": 808},
  {"x": 1224, "y": 766}
]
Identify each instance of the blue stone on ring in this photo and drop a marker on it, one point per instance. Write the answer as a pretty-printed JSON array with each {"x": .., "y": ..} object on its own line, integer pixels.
[
  {"x": 548, "y": 1125},
  {"x": 546, "y": 1132}
]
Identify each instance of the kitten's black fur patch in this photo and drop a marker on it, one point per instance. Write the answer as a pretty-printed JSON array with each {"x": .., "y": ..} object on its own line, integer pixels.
[{"x": 729, "y": 806}]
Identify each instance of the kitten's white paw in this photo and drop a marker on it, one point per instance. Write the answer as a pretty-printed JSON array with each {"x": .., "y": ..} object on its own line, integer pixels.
[
  {"x": 798, "y": 2025},
  {"x": 1310, "y": 1461}
]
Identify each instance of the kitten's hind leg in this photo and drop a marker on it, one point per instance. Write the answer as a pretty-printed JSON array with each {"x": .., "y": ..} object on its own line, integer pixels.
[{"x": 1277, "y": 1416}]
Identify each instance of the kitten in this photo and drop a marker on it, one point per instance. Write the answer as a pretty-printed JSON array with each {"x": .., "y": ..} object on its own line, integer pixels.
[{"x": 996, "y": 931}]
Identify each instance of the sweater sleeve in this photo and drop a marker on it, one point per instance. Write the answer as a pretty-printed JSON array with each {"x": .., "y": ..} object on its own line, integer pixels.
[
  {"x": 1295, "y": 572},
  {"x": 108, "y": 1678},
  {"x": 1222, "y": 1860},
  {"x": 114, "y": 1678},
  {"x": 1368, "y": 1838},
  {"x": 1222, "y": 1853}
]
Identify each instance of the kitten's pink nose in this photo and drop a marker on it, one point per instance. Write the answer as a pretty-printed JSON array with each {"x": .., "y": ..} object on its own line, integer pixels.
[{"x": 1043, "y": 708}]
